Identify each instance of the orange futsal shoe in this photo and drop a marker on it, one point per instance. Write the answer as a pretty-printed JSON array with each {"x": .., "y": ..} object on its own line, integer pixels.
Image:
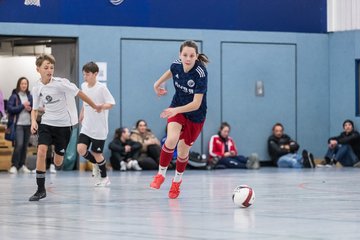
[
  {"x": 174, "y": 191},
  {"x": 158, "y": 180}
]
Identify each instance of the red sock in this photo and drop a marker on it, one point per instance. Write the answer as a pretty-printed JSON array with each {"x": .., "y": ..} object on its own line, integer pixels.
[
  {"x": 165, "y": 156},
  {"x": 181, "y": 164}
]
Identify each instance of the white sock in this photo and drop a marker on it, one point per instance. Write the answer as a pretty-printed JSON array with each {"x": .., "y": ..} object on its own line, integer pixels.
[
  {"x": 178, "y": 176},
  {"x": 162, "y": 170}
]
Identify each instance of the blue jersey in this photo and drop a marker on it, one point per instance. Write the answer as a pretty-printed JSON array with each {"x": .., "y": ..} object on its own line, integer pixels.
[{"x": 188, "y": 84}]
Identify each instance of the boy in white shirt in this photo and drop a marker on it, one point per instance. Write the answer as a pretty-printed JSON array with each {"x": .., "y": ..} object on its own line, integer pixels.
[
  {"x": 94, "y": 128},
  {"x": 56, "y": 123}
]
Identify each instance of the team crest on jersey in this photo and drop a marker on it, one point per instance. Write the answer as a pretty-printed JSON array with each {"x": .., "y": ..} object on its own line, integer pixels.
[
  {"x": 177, "y": 76},
  {"x": 191, "y": 83},
  {"x": 48, "y": 98}
]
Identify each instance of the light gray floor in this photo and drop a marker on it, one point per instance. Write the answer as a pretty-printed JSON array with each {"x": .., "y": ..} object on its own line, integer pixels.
[{"x": 290, "y": 204}]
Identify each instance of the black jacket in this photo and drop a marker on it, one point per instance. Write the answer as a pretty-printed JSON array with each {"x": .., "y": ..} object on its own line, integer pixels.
[
  {"x": 352, "y": 138},
  {"x": 119, "y": 147},
  {"x": 276, "y": 151}
]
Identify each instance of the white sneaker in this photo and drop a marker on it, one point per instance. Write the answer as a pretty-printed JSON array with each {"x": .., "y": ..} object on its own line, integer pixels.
[
  {"x": 123, "y": 166},
  {"x": 135, "y": 165},
  {"x": 13, "y": 170},
  {"x": 24, "y": 169},
  {"x": 52, "y": 168},
  {"x": 129, "y": 164},
  {"x": 95, "y": 171},
  {"x": 253, "y": 161},
  {"x": 103, "y": 182}
]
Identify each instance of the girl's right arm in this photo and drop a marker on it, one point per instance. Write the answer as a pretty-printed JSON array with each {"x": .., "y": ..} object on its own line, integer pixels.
[{"x": 157, "y": 85}]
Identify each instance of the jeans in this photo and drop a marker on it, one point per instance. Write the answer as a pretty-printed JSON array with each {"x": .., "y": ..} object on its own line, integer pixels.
[
  {"x": 290, "y": 160},
  {"x": 21, "y": 145},
  {"x": 344, "y": 154},
  {"x": 232, "y": 162}
]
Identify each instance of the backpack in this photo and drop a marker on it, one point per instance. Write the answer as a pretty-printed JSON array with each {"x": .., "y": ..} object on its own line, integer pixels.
[{"x": 197, "y": 160}]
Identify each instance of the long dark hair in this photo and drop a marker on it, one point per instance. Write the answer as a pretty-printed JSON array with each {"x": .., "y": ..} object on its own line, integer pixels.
[
  {"x": 139, "y": 121},
  {"x": 202, "y": 57},
  {"x": 118, "y": 132},
  {"x": 222, "y": 126},
  {"x": 19, "y": 82}
]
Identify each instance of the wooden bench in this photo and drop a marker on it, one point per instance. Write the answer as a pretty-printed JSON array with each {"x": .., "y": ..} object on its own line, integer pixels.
[{"x": 6, "y": 150}]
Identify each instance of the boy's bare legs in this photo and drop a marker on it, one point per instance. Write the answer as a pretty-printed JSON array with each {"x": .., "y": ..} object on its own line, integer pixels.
[
  {"x": 58, "y": 160},
  {"x": 98, "y": 160}
]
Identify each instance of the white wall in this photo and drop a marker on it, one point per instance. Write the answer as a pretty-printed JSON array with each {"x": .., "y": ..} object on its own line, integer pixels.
[
  {"x": 343, "y": 15},
  {"x": 12, "y": 68}
]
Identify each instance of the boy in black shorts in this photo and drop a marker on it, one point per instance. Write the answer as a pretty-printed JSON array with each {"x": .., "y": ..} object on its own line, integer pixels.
[
  {"x": 90, "y": 135},
  {"x": 56, "y": 123}
]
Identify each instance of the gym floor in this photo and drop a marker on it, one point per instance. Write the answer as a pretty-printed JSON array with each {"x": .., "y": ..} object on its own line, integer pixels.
[{"x": 290, "y": 204}]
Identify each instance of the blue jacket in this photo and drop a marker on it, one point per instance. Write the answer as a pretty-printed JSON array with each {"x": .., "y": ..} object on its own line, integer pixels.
[{"x": 14, "y": 106}]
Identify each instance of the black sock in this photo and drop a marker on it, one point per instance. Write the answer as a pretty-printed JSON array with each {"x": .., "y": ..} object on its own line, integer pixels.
[
  {"x": 102, "y": 167},
  {"x": 88, "y": 156},
  {"x": 40, "y": 180}
]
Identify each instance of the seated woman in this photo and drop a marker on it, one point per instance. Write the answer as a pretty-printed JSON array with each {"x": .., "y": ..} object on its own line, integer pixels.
[
  {"x": 223, "y": 152},
  {"x": 150, "y": 150},
  {"x": 124, "y": 151}
]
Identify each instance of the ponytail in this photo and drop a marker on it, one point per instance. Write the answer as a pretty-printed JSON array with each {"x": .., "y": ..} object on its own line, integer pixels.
[{"x": 203, "y": 59}]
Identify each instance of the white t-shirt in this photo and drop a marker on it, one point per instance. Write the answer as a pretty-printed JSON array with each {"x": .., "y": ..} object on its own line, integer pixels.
[
  {"x": 24, "y": 116},
  {"x": 94, "y": 124},
  {"x": 54, "y": 96}
]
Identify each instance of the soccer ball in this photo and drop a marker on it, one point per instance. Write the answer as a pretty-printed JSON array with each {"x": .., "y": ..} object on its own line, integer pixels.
[{"x": 243, "y": 196}]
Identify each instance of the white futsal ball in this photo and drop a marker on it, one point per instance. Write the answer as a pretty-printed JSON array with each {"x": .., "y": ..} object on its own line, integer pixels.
[{"x": 243, "y": 196}]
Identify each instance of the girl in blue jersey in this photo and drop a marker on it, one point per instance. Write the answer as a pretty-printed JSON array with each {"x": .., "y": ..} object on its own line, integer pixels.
[{"x": 186, "y": 114}]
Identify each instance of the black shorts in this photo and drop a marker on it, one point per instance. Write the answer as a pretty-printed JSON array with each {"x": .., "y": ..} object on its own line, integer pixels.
[
  {"x": 97, "y": 146},
  {"x": 57, "y": 136}
]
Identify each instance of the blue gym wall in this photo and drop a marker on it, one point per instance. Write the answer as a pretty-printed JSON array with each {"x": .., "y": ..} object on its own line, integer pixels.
[
  {"x": 344, "y": 49},
  {"x": 293, "y": 66}
]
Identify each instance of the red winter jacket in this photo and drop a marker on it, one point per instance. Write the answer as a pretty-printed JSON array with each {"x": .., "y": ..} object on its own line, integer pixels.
[{"x": 217, "y": 146}]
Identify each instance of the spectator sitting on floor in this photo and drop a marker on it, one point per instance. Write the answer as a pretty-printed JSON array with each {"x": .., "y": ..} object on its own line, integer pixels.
[
  {"x": 344, "y": 148},
  {"x": 283, "y": 150},
  {"x": 124, "y": 151},
  {"x": 150, "y": 145},
  {"x": 223, "y": 152}
]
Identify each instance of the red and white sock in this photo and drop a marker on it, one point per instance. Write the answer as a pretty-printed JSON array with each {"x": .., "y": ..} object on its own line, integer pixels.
[
  {"x": 165, "y": 158},
  {"x": 180, "y": 168}
]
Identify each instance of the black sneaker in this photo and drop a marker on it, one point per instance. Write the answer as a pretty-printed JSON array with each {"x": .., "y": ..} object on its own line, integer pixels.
[
  {"x": 306, "y": 159},
  {"x": 212, "y": 163},
  {"x": 327, "y": 161},
  {"x": 312, "y": 161},
  {"x": 37, "y": 196}
]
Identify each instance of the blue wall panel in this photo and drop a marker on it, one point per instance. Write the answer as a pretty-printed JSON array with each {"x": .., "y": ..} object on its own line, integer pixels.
[
  {"x": 250, "y": 116},
  {"x": 343, "y": 50},
  {"x": 256, "y": 15}
]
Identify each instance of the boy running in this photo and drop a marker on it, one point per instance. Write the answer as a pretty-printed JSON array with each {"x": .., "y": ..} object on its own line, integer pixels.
[{"x": 94, "y": 128}]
